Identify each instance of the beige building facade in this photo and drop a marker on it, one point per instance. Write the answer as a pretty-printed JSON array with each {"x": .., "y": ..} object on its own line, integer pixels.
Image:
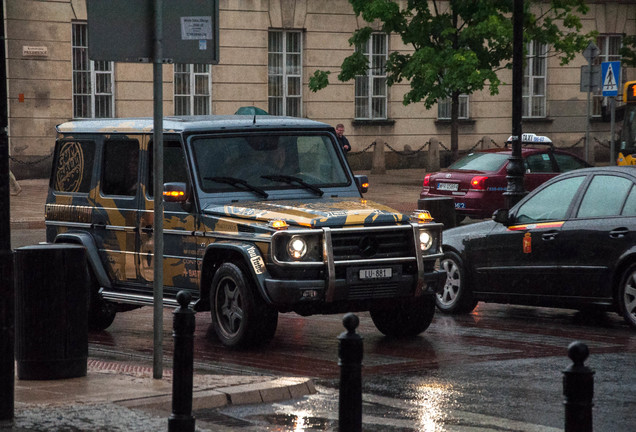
[{"x": 268, "y": 51}]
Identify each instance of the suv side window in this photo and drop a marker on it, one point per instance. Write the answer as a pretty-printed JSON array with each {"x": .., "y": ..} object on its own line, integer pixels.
[
  {"x": 121, "y": 167},
  {"x": 74, "y": 166},
  {"x": 174, "y": 165}
]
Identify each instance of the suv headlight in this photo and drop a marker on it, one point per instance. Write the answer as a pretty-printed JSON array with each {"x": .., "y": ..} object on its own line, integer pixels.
[
  {"x": 289, "y": 247},
  {"x": 297, "y": 247},
  {"x": 426, "y": 240}
]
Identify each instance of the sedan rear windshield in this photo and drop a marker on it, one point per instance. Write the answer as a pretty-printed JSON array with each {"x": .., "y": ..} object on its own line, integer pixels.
[{"x": 481, "y": 162}]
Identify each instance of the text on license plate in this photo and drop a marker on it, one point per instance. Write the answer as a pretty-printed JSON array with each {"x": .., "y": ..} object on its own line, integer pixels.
[
  {"x": 448, "y": 186},
  {"x": 376, "y": 273}
]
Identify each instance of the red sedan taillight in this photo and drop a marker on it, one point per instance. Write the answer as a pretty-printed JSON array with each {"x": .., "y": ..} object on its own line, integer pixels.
[
  {"x": 427, "y": 179},
  {"x": 478, "y": 182}
]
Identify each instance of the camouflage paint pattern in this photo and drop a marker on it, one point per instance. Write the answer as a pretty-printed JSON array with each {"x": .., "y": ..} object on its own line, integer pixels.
[{"x": 122, "y": 226}]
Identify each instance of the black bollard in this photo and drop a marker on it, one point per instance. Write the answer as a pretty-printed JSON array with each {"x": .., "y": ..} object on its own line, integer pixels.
[
  {"x": 578, "y": 389},
  {"x": 350, "y": 362},
  {"x": 181, "y": 419}
]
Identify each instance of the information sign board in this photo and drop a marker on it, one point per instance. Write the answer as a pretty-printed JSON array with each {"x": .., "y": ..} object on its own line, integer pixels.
[{"x": 123, "y": 30}]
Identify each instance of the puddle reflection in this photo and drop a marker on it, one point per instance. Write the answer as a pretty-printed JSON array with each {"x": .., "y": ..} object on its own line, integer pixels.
[{"x": 432, "y": 401}]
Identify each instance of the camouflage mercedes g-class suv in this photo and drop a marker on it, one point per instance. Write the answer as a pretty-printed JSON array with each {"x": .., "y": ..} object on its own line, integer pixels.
[{"x": 265, "y": 216}]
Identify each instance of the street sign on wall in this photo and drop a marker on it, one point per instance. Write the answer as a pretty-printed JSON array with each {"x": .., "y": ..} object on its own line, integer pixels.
[{"x": 123, "y": 30}]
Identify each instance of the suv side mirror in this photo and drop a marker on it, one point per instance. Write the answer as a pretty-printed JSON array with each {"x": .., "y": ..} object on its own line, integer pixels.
[
  {"x": 362, "y": 182},
  {"x": 501, "y": 216},
  {"x": 175, "y": 192}
]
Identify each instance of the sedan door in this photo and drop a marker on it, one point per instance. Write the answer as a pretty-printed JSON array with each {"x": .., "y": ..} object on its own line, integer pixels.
[
  {"x": 522, "y": 258},
  {"x": 599, "y": 233}
]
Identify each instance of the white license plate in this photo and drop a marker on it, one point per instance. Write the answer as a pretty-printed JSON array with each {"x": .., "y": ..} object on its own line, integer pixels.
[
  {"x": 448, "y": 186},
  {"x": 376, "y": 273}
]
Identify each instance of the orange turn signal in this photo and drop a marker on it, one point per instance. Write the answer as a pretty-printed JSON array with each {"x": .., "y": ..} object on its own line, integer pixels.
[
  {"x": 423, "y": 216},
  {"x": 278, "y": 224},
  {"x": 174, "y": 194}
]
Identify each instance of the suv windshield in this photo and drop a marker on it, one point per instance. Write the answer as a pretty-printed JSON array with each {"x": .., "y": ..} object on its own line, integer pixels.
[
  {"x": 267, "y": 161},
  {"x": 481, "y": 162}
]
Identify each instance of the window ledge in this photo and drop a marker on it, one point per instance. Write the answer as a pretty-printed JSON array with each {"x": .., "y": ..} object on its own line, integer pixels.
[
  {"x": 444, "y": 122},
  {"x": 537, "y": 120},
  {"x": 372, "y": 122}
]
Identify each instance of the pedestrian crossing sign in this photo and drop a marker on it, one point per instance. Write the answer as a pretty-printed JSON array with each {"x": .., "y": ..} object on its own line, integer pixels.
[{"x": 610, "y": 71}]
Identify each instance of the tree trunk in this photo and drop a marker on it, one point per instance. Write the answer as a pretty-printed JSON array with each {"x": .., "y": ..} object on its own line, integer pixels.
[
  {"x": 455, "y": 100},
  {"x": 455, "y": 126}
]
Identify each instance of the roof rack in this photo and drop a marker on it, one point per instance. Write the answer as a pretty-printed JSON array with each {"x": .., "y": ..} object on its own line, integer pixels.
[{"x": 532, "y": 139}]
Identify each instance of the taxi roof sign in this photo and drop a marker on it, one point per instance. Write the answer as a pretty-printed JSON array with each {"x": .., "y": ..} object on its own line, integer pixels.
[{"x": 530, "y": 138}]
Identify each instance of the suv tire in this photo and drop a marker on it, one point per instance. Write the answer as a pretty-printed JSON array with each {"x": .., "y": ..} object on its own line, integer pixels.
[
  {"x": 240, "y": 317},
  {"x": 101, "y": 313},
  {"x": 408, "y": 319}
]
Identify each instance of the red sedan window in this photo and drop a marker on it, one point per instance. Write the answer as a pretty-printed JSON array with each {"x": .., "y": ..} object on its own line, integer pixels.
[{"x": 481, "y": 162}]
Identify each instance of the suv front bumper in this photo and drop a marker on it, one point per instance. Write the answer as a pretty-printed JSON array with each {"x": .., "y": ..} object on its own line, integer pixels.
[{"x": 290, "y": 293}]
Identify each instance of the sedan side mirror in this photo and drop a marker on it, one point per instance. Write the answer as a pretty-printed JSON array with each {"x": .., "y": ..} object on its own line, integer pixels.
[{"x": 501, "y": 216}]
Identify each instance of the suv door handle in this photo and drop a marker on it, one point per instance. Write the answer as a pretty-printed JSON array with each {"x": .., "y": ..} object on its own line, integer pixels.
[
  {"x": 618, "y": 233},
  {"x": 550, "y": 235},
  {"x": 147, "y": 229}
]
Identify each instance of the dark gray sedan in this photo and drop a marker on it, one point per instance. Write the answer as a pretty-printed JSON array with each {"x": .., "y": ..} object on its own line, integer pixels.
[{"x": 570, "y": 243}]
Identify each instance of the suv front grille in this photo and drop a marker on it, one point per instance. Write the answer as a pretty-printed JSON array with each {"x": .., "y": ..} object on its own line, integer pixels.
[{"x": 354, "y": 244}]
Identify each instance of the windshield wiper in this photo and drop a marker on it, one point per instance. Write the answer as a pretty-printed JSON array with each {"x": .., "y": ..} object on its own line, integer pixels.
[
  {"x": 236, "y": 182},
  {"x": 293, "y": 179}
]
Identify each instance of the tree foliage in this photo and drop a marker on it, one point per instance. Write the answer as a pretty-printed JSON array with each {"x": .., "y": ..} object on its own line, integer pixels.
[
  {"x": 628, "y": 51},
  {"x": 457, "y": 46}
]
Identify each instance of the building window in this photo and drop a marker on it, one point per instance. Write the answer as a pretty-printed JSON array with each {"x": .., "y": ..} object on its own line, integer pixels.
[
  {"x": 444, "y": 108},
  {"x": 609, "y": 50},
  {"x": 534, "y": 80},
  {"x": 93, "y": 95},
  {"x": 284, "y": 73},
  {"x": 371, "y": 89},
  {"x": 192, "y": 89}
]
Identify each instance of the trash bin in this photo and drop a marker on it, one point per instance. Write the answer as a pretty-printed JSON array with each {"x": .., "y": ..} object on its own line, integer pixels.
[
  {"x": 51, "y": 335},
  {"x": 441, "y": 208}
]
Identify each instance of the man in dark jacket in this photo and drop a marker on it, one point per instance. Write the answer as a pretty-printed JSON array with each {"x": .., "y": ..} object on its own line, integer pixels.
[{"x": 344, "y": 142}]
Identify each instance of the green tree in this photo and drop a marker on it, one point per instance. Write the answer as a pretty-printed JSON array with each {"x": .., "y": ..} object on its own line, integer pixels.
[
  {"x": 628, "y": 51},
  {"x": 458, "y": 46}
]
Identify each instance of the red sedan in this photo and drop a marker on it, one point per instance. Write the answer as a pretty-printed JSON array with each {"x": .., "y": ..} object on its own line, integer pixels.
[{"x": 478, "y": 180}]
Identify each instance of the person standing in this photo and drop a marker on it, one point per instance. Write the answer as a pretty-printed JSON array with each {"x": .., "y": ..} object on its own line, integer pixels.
[{"x": 342, "y": 140}]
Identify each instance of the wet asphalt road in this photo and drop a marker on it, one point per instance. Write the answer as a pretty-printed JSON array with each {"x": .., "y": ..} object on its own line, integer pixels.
[{"x": 498, "y": 369}]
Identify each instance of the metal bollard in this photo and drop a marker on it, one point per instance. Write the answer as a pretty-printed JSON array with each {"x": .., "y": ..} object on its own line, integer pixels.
[
  {"x": 181, "y": 419},
  {"x": 578, "y": 389},
  {"x": 350, "y": 362}
]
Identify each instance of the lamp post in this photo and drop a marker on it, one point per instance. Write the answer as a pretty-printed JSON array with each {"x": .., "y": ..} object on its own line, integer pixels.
[{"x": 515, "y": 190}]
